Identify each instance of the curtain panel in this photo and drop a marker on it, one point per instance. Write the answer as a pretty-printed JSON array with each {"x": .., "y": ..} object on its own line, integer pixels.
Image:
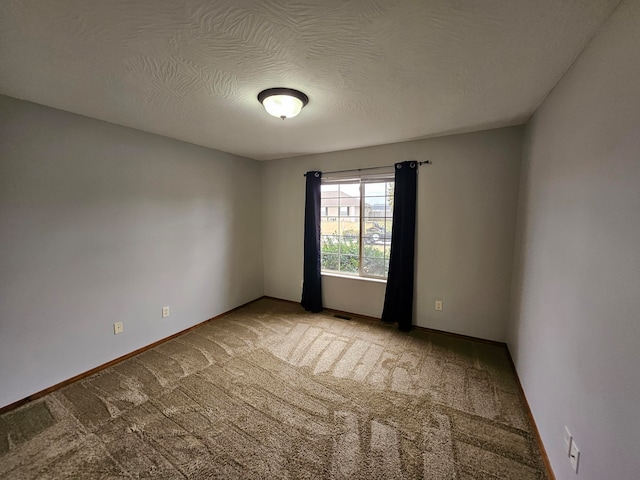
[
  {"x": 312, "y": 281},
  {"x": 398, "y": 300}
]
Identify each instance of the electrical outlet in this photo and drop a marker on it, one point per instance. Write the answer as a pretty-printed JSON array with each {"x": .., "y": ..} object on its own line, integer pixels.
[
  {"x": 165, "y": 312},
  {"x": 567, "y": 441},
  {"x": 439, "y": 305},
  {"x": 118, "y": 328},
  {"x": 574, "y": 456}
]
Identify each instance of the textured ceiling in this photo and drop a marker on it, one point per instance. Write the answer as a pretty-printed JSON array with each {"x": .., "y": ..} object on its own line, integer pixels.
[{"x": 375, "y": 71}]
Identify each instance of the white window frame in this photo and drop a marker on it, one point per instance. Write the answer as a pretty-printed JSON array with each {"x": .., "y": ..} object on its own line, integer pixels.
[{"x": 361, "y": 180}]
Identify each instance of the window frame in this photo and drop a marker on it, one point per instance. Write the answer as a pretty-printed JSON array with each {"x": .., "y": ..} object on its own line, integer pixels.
[{"x": 360, "y": 181}]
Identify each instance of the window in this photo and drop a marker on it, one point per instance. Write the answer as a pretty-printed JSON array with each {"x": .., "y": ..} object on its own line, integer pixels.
[{"x": 355, "y": 225}]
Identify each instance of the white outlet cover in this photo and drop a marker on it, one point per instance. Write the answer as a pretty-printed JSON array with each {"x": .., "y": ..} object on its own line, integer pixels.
[
  {"x": 567, "y": 440},
  {"x": 165, "y": 312},
  {"x": 574, "y": 456},
  {"x": 118, "y": 328}
]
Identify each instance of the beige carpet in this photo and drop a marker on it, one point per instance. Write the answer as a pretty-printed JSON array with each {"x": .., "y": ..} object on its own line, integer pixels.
[{"x": 272, "y": 392}]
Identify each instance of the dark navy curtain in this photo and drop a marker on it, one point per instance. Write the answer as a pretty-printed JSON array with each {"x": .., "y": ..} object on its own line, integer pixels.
[
  {"x": 312, "y": 285},
  {"x": 398, "y": 299}
]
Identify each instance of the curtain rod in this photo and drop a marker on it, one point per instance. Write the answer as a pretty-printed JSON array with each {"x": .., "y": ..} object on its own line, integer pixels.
[{"x": 428, "y": 162}]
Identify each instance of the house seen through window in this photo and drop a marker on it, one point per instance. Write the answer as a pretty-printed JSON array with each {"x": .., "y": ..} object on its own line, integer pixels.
[{"x": 356, "y": 221}]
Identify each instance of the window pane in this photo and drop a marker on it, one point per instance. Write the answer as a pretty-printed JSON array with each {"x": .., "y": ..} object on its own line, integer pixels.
[
  {"x": 389, "y": 210},
  {"x": 375, "y": 231},
  {"x": 350, "y": 222},
  {"x": 373, "y": 251},
  {"x": 374, "y": 266},
  {"x": 349, "y": 190},
  {"x": 375, "y": 189},
  {"x": 329, "y": 245},
  {"x": 341, "y": 227},
  {"x": 329, "y": 191},
  {"x": 329, "y": 261},
  {"x": 349, "y": 245},
  {"x": 349, "y": 263},
  {"x": 351, "y": 237},
  {"x": 329, "y": 224},
  {"x": 329, "y": 239}
]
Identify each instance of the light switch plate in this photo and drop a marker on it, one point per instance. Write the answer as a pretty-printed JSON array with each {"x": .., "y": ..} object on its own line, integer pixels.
[
  {"x": 574, "y": 456},
  {"x": 118, "y": 327},
  {"x": 567, "y": 440}
]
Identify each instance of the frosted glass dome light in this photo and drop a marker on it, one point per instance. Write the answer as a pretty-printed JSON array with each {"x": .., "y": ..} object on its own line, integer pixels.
[{"x": 282, "y": 102}]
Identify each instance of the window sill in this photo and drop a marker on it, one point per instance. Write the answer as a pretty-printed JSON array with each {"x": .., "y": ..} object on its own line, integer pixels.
[{"x": 354, "y": 277}]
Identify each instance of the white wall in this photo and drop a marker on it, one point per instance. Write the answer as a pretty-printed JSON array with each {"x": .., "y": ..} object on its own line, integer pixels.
[
  {"x": 101, "y": 223},
  {"x": 466, "y": 225},
  {"x": 575, "y": 332}
]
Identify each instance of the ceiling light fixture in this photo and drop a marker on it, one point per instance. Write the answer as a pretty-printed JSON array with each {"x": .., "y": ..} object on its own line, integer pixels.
[{"x": 282, "y": 102}]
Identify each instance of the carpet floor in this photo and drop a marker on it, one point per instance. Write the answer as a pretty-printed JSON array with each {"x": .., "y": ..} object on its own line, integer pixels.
[{"x": 272, "y": 392}]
